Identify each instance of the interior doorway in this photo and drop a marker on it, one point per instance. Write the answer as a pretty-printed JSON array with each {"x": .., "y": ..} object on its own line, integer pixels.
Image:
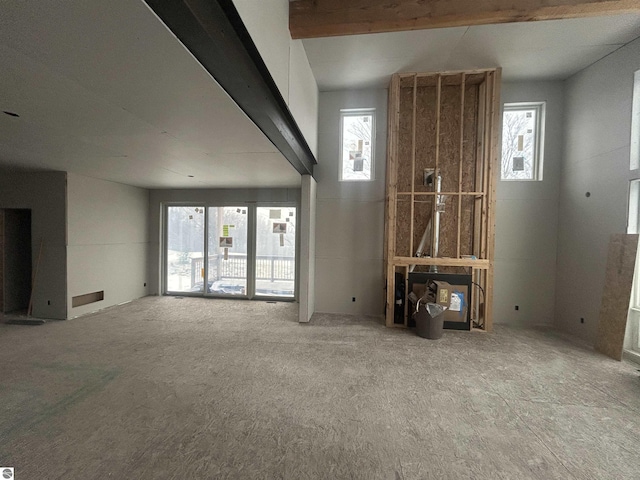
[{"x": 15, "y": 260}]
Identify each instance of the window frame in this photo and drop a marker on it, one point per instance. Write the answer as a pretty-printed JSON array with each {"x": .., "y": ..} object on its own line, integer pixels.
[
  {"x": 634, "y": 159},
  {"x": 356, "y": 112},
  {"x": 633, "y": 206},
  {"x": 538, "y": 146},
  {"x": 251, "y": 207}
]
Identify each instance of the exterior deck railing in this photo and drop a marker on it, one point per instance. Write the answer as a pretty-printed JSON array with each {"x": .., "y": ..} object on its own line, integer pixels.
[{"x": 273, "y": 268}]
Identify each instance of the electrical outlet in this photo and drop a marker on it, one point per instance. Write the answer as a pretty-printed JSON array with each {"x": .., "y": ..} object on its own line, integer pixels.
[
  {"x": 581, "y": 320},
  {"x": 353, "y": 299},
  {"x": 517, "y": 307}
]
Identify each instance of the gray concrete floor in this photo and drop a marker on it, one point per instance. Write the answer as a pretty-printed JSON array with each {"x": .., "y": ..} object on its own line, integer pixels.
[{"x": 198, "y": 388}]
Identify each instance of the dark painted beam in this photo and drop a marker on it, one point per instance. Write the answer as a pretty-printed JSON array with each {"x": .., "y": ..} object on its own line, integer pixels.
[{"x": 213, "y": 32}]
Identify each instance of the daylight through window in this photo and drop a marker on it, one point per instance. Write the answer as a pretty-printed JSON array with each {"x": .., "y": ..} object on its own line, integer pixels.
[
  {"x": 633, "y": 217},
  {"x": 635, "y": 124},
  {"x": 522, "y": 141},
  {"x": 357, "y": 129}
]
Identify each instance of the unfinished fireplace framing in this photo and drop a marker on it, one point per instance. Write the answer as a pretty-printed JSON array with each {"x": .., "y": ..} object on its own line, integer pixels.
[{"x": 441, "y": 177}]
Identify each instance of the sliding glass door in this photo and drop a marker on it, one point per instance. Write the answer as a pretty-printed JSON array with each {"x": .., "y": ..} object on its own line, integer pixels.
[
  {"x": 227, "y": 247},
  {"x": 275, "y": 251},
  {"x": 185, "y": 249},
  {"x": 249, "y": 251}
]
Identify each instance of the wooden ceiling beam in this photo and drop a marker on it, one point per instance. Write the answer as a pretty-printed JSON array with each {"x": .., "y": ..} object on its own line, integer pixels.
[{"x": 326, "y": 18}]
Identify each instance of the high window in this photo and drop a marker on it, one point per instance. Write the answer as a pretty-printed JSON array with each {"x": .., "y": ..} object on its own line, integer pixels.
[
  {"x": 357, "y": 138},
  {"x": 522, "y": 141}
]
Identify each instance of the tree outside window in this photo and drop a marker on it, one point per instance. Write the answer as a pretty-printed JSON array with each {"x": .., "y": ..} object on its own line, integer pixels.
[
  {"x": 357, "y": 129},
  {"x": 522, "y": 141}
]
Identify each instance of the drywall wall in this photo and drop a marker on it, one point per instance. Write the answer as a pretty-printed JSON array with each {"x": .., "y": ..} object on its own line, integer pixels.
[
  {"x": 303, "y": 95},
  {"x": 204, "y": 197},
  {"x": 350, "y": 215},
  {"x": 527, "y": 221},
  {"x": 44, "y": 193},
  {"x": 596, "y": 161},
  {"x": 267, "y": 22},
  {"x": 307, "y": 249},
  {"x": 107, "y": 242}
]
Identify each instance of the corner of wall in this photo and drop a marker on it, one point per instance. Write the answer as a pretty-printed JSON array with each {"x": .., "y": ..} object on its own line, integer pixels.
[{"x": 596, "y": 156}]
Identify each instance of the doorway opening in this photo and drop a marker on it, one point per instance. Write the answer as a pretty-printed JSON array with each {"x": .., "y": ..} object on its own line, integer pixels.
[{"x": 15, "y": 260}]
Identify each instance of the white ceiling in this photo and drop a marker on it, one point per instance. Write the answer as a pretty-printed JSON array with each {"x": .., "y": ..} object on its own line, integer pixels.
[
  {"x": 104, "y": 89},
  {"x": 546, "y": 50}
]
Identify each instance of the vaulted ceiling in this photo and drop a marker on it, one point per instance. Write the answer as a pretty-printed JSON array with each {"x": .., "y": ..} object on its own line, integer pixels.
[
  {"x": 361, "y": 43},
  {"x": 545, "y": 50}
]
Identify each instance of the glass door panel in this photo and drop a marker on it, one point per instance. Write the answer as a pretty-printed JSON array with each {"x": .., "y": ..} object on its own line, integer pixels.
[
  {"x": 227, "y": 247},
  {"x": 185, "y": 249},
  {"x": 275, "y": 251}
]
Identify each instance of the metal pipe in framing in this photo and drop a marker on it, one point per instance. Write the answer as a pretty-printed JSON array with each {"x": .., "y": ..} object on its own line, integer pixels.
[{"x": 436, "y": 223}]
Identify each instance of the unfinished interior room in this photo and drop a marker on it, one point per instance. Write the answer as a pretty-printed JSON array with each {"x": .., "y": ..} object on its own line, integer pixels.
[{"x": 309, "y": 239}]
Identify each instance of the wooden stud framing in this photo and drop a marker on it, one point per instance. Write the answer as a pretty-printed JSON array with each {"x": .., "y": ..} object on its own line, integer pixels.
[
  {"x": 463, "y": 133},
  {"x": 391, "y": 200},
  {"x": 491, "y": 192}
]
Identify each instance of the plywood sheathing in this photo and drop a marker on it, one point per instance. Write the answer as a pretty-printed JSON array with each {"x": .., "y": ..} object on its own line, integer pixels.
[
  {"x": 403, "y": 227},
  {"x": 470, "y": 137},
  {"x": 621, "y": 262},
  {"x": 426, "y": 104},
  {"x": 404, "y": 139}
]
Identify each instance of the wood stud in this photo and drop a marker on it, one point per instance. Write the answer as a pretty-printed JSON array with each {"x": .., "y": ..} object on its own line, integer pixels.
[
  {"x": 437, "y": 168},
  {"x": 391, "y": 200},
  {"x": 413, "y": 160},
  {"x": 479, "y": 92},
  {"x": 462, "y": 87}
]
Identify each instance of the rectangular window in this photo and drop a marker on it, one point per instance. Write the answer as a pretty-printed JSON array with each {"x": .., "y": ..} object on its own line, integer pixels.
[
  {"x": 522, "y": 141},
  {"x": 185, "y": 248},
  {"x": 227, "y": 250},
  {"x": 357, "y": 137},
  {"x": 275, "y": 252},
  {"x": 240, "y": 250}
]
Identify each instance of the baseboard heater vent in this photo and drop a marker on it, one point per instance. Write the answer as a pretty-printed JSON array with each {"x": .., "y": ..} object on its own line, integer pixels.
[{"x": 87, "y": 298}]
